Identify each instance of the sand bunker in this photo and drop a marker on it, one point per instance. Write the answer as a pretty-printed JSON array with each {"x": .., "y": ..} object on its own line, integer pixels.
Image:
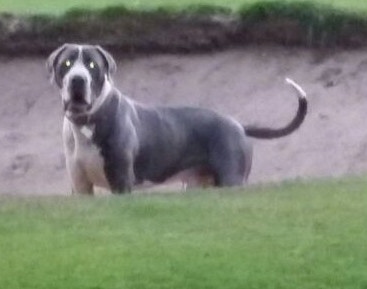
[{"x": 245, "y": 83}]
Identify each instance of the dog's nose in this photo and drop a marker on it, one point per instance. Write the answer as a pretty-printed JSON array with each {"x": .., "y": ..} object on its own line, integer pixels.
[
  {"x": 77, "y": 83},
  {"x": 77, "y": 88}
]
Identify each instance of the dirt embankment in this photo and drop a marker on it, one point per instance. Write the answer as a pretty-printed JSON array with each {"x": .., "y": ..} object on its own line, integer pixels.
[{"x": 246, "y": 83}]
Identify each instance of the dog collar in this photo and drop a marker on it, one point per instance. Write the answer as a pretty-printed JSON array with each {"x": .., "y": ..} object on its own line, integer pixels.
[{"x": 80, "y": 120}]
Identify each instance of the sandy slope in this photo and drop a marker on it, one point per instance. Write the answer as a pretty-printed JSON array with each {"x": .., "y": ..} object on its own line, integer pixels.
[{"x": 247, "y": 84}]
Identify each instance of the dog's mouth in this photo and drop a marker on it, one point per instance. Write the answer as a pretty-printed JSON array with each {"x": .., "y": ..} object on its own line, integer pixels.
[
  {"x": 77, "y": 91},
  {"x": 77, "y": 108},
  {"x": 76, "y": 112}
]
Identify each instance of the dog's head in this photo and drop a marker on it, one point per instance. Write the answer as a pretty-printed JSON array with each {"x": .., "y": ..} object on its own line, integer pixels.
[{"x": 82, "y": 73}]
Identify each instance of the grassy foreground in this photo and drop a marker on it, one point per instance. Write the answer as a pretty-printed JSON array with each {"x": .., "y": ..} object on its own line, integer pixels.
[
  {"x": 58, "y": 7},
  {"x": 287, "y": 236}
]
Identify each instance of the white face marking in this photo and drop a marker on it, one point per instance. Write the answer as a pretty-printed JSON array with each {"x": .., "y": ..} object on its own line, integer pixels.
[
  {"x": 107, "y": 86},
  {"x": 78, "y": 69}
]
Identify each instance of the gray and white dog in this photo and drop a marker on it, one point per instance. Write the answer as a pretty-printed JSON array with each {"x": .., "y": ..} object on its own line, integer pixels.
[{"x": 113, "y": 142}]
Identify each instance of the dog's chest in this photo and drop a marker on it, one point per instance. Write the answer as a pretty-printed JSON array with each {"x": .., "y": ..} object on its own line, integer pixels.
[{"x": 89, "y": 158}]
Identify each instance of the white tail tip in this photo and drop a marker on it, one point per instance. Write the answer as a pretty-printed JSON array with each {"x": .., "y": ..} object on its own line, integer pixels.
[{"x": 296, "y": 86}]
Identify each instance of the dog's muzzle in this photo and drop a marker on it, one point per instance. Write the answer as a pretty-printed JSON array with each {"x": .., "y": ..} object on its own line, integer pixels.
[
  {"x": 76, "y": 106},
  {"x": 77, "y": 89}
]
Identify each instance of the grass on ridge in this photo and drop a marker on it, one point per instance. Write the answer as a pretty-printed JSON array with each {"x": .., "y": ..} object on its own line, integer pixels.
[
  {"x": 309, "y": 23},
  {"x": 293, "y": 235},
  {"x": 59, "y": 7}
]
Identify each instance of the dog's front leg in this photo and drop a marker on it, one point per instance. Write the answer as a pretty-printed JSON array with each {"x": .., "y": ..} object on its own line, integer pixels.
[
  {"x": 79, "y": 182},
  {"x": 120, "y": 173}
]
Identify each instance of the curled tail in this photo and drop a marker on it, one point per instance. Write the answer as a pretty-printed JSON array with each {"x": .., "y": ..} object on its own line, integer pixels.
[{"x": 269, "y": 133}]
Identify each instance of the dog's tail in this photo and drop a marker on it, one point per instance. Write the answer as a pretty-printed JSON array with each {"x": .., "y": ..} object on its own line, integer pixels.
[{"x": 269, "y": 133}]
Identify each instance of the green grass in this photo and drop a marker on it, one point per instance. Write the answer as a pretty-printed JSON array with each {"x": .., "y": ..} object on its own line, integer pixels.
[
  {"x": 58, "y": 7},
  {"x": 311, "y": 23},
  {"x": 293, "y": 235}
]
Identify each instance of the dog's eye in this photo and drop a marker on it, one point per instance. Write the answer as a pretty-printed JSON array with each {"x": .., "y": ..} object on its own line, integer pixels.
[
  {"x": 67, "y": 63},
  {"x": 92, "y": 65}
]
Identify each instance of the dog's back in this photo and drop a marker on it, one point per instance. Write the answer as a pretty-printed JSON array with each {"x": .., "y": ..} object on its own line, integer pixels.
[{"x": 174, "y": 139}]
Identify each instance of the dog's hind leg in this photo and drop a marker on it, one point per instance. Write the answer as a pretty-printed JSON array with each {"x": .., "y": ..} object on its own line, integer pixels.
[
  {"x": 248, "y": 158},
  {"x": 228, "y": 171},
  {"x": 232, "y": 164},
  {"x": 229, "y": 179}
]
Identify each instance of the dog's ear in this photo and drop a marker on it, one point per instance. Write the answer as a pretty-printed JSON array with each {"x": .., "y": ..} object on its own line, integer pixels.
[
  {"x": 108, "y": 59},
  {"x": 52, "y": 60}
]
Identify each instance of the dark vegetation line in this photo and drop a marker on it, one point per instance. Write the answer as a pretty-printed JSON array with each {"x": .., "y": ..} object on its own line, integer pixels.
[{"x": 192, "y": 29}]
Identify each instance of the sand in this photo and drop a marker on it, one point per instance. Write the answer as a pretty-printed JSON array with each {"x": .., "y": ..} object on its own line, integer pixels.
[{"x": 247, "y": 84}]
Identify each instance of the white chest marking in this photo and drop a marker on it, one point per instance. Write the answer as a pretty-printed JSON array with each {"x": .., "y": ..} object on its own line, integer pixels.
[
  {"x": 88, "y": 156},
  {"x": 87, "y": 131}
]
